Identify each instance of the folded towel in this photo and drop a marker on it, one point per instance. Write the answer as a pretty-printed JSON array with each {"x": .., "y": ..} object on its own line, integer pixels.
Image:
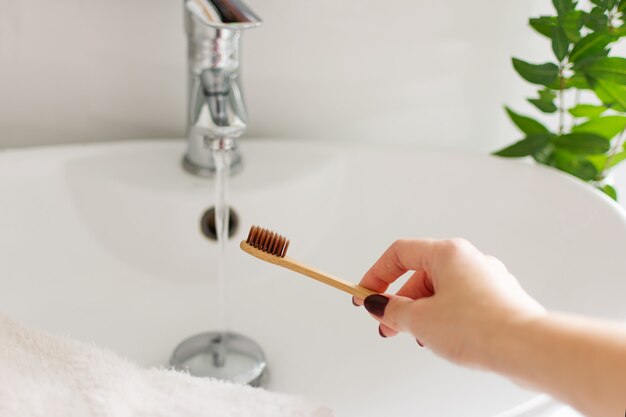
[{"x": 49, "y": 376}]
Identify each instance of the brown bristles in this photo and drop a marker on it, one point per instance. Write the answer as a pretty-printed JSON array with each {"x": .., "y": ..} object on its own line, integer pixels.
[{"x": 268, "y": 241}]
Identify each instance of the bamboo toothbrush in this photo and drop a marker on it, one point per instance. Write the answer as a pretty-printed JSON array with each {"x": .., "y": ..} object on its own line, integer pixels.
[{"x": 272, "y": 247}]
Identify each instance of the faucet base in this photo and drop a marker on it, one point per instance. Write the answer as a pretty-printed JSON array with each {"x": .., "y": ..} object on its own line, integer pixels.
[
  {"x": 208, "y": 169},
  {"x": 223, "y": 355}
]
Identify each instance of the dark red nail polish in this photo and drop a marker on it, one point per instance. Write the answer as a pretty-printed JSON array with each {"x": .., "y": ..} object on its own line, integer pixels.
[
  {"x": 419, "y": 343},
  {"x": 380, "y": 332},
  {"x": 376, "y": 304},
  {"x": 354, "y": 302}
]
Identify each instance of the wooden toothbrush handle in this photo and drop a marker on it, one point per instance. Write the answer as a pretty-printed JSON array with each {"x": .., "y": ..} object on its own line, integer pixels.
[
  {"x": 350, "y": 288},
  {"x": 353, "y": 289}
]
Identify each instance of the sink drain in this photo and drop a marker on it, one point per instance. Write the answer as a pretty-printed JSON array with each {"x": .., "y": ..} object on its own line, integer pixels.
[{"x": 207, "y": 223}]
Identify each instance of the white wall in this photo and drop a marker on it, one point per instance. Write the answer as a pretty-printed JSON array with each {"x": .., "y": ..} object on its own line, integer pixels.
[{"x": 429, "y": 72}]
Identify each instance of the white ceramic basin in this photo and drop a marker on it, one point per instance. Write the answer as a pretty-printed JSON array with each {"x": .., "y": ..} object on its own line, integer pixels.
[{"x": 101, "y": 242}]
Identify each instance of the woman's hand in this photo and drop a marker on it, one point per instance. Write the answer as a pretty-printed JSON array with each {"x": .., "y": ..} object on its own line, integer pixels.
[
  {"x": 455, "y": 302},
  {"x": 467, "y": 307}
]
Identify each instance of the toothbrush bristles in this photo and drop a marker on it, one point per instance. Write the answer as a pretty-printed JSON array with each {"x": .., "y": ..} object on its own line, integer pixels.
[{"x": 268, "y": 241}]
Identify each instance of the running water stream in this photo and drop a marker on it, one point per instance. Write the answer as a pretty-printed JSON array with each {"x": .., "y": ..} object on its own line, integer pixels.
[
  {"x": 221, "y": 353},
  {"x": 222, "y": 159}
]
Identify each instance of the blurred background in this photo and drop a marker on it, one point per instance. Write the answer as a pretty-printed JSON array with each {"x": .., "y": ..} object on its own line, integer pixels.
[{"x": 424, "y": 72}]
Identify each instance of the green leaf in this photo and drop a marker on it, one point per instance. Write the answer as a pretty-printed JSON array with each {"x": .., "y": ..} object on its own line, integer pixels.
[
  {"x": 587, "y": 110},
  {"x": 611, "y": 69},
  {"x": 560, "y": 43},
  {"x": 617, "y": 158},
  {"x": 546, "y": 107},
  {"x": 545, "y": 102},
  {"x": 611, "y": 94},
  {"x": 544, "y": 24},
  {"x": 608, "y": 190},
  {"x": 545, "y": 155},
  {"x": 607, "y": 126},
  {"x": 597, "y": 20},
  {"x": 592, "y": 45},
  {"x": 598, "y": 161},
  {"x": 564, "y": 6},
  {"x": 602, "y": 162},
  {"x": 605, "y": 4},
  {"x": 571, "y": 23},
  {"x": 622, "y": 6},
  {"x": 546, "y": 94},
  {"x": 582, "y": 143},
  {"x": 543, "y": 74},
  {"x": 577, "y": 80},
  {"x": 618, "y": 31},
  {"x": 527, "y": 146},
  {"x": 575, "y": 165},
  {"x": 543, "y": 106},
  {"x": 526, "y": 124}
]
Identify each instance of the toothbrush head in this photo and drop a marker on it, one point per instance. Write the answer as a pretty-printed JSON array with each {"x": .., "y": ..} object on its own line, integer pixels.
[{"x": 268, "y": 241}]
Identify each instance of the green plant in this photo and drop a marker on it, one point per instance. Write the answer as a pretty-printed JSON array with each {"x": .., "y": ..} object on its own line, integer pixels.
[{"x": 584, "y": 89}]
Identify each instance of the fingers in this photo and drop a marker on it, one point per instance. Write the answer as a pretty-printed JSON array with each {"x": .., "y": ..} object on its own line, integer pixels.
[
  {"x": 400, "y": 257},
  {"x": 386, "y": 331},
  {"x": 416, "y": 287},
  {"x": 394, "y": 312}
]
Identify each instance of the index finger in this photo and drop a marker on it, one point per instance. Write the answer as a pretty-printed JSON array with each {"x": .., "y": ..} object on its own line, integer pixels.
[{"x": 402, "y": 256}]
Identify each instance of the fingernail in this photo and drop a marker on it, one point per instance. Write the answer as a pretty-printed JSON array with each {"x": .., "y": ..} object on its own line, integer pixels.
[
  {"x": 419, "y": 343},
  {"x": 380, "y": 332},
  {"x": 375, "y": 304},
  {"x": 354, "y": 302}
]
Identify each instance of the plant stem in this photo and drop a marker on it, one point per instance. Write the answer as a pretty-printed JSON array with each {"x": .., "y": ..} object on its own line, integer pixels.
[{"x": 617, "y": 145}]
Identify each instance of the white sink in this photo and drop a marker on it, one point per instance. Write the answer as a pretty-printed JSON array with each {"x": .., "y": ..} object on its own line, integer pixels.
[{"x": 101, "y": 242}]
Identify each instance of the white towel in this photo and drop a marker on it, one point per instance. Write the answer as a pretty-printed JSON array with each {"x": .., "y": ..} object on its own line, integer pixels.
[{"x": 46, "y": 376}]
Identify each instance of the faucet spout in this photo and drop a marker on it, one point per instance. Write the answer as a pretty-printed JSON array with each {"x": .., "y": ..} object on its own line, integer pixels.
[
  {"x": 229, "y": 14},
  {"x": 216, "y": 107}
]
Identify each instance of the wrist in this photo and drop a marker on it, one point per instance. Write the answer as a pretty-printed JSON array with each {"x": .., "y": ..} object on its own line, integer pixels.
[{"x": 506, "y": 340}]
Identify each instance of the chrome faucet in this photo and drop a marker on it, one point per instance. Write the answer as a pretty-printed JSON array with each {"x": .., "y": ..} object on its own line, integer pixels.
[{"x": 216, "y": 112}]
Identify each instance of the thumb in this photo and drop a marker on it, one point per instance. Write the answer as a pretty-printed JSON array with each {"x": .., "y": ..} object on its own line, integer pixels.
[{"x": 393, "y": 311}]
